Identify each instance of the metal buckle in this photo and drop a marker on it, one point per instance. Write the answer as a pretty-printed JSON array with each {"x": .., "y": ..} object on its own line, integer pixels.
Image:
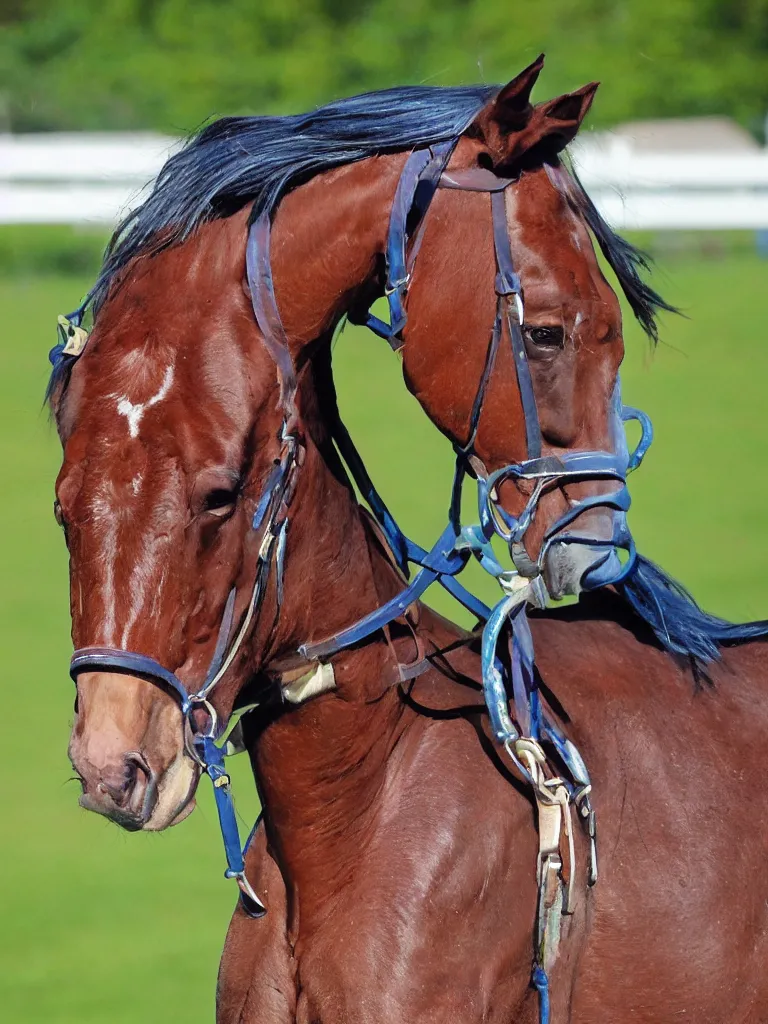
[
  {"x": 396, "y": 286},
  {"x": 195, "y": 701},
  {"x": 246, "y": 889},
  {"x": 519, "y": 307}
]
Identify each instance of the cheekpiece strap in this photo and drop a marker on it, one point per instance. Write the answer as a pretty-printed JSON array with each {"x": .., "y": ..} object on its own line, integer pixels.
[
  {"x": 509, "y": 292},
  {"x": 415, "y": 189}
]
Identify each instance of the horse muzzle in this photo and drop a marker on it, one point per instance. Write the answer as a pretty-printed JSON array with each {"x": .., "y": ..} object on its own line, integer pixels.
[
  {"x": 128, "y": 752},
  {"x": 124, "y": 791}
]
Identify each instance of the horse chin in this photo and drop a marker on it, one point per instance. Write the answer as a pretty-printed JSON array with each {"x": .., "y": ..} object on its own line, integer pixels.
[{"x": 570, "y": 569}]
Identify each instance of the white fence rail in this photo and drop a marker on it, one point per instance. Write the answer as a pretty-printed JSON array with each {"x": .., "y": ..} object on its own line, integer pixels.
[
  {"x": 79, "y": 178},
  {"x": 76, "y": 178},
  {"x": 674, "y": 191}
]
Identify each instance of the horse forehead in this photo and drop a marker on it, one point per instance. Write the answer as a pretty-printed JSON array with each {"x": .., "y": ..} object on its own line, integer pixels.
[{"x": 552, "y": 240}]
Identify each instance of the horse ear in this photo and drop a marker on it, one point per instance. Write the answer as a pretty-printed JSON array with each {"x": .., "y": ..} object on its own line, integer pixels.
[
  {"x": 546, "y": 128},
  {"x": 558, "y": 120},
  {"x": 510, "y": 108}
]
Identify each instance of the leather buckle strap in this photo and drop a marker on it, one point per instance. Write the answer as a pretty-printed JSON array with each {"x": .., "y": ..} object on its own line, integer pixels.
[
  {"x": 414, "y": 192},
  {"x": 474, "y": 179}
]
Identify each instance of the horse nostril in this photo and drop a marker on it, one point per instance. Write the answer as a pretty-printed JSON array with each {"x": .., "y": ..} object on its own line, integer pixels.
[{"x": 119, "y": 784}]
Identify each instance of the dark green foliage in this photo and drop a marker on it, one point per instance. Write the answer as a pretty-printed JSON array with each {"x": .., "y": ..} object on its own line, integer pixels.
[
  {"x": 30, "y": 250},
  {"x": 170, "y": 64}
]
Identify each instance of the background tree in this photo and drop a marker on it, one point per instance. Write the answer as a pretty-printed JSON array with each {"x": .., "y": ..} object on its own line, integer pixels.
[{"x": 169, "y": 64}]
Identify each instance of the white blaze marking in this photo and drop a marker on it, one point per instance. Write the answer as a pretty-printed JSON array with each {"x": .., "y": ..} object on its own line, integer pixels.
[{"x": 133, "y": 413}]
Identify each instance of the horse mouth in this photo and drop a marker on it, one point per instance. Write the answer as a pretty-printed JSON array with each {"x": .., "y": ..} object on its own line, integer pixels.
[
  {"x": 168, "y": 816},
  {"x": 166, "y": 799},
  {"x": 131, "y": 808},
  {"x": 570, "y": 568}
]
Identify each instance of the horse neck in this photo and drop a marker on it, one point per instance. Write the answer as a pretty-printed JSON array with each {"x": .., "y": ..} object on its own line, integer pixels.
[
  {"x": 320, "y": 769},
  {"x": 327, "y": 240},
  {"x": 336, "y": 571}
]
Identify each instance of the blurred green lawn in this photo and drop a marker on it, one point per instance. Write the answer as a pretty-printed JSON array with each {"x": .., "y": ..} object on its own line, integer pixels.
[{"x": 103, "y": 926}]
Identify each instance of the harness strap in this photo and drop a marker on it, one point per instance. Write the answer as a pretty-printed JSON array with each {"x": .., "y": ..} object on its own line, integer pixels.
[
  {"x": 221, "y": 641},
  {"x": 477, "y": 405},
  {"x": 261, "y": 287},
  {"x": 404, "y": 549},
  {"x": 443, "y": 559},
  {"x": 421, "y": 174},
  {"x": 92, "y": 659},
  {"x": 213, "y": 757},
  {"x": 425, "y": 190}
]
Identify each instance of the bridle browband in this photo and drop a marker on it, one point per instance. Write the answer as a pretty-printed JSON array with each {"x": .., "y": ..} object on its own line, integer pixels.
[{"x": 424, "y": 172}]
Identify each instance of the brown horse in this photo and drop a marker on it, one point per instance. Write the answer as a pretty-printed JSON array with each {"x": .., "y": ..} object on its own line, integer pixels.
[
  {"x": 170, "y": 428},
  {"x": 397, "y": 856}
]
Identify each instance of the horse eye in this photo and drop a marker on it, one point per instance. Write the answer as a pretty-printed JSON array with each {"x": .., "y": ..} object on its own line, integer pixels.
[
  {"x": 545, "y": 337},
  {"x": 220, "y": 502},
  {"x": 58, "y": 515}
]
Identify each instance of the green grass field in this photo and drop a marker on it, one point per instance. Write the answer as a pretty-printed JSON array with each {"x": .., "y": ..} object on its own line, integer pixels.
[{"x": 101, "y": 926}]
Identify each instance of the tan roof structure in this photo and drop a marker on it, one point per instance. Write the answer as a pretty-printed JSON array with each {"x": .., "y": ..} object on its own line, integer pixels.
[{"x": 686, "y": 135}]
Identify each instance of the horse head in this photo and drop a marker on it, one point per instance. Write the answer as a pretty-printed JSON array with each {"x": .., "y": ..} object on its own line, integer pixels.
[
  {"x": 569, "y": 325},
  {"x": 171, "y": 426}
]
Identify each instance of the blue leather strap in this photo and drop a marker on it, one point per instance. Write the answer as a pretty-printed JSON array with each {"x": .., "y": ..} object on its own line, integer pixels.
[
  {"x": 477, "y": 405},
  {"x": 421, "y": 173},
  {"x": 259, "y": 271},
  {"x": 507, "y": 278},
  {"x": 222, "y": 641},
  {"x": 541, "y": 984},
  {"x": 396, "y": 539},
  {"x": 404, "y": 549},
  {"x": 510, "y": 613},
  {"x": 508, "y": 287},
  {"x": 525, "y": 694},
  {"x": 111, "y": 659},
  {"x": 629, "y": 413},
  {"x": 213, "y": 759},
  {"x": 494, "y": 688},
  {"x": 443, "y": 559}
]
